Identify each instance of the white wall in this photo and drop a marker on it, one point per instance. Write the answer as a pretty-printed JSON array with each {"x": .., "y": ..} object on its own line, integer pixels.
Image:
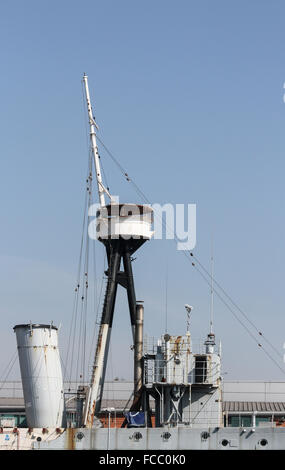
[{"x": 253, "y": 391}]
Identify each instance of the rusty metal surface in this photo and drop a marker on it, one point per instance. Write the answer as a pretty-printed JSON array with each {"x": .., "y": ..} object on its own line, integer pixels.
[{"x": 70, "y": 439}]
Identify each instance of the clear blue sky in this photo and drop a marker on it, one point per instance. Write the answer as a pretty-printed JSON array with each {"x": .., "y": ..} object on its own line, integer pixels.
[{"x": 189, "y": 97}]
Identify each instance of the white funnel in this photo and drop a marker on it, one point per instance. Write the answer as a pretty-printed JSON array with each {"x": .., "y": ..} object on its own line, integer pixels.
[{"x": 41, "y": 375}]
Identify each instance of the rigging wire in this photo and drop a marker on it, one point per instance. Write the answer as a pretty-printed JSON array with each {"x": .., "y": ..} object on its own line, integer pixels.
[
  {"x": 81, "y": 357},
  {"x": 146, "y": 200},
  {"x": 76, "y": 350},
  {"x": 238, "y": 319},
  {"x": 86, "y": 280},
  {"x": 8, "y": 369},
  {"x": 74, "y": 320},
  {"x": 72, "y": 336},
  {"x": 213, "y": 281},
  {"x": 237, "y": 307},
  {"x": 104, "y": 174},
  {"x": 97, "y": 323}
]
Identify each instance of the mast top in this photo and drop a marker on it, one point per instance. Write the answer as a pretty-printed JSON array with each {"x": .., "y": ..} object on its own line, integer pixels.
[{"x": 93, "y": 127}]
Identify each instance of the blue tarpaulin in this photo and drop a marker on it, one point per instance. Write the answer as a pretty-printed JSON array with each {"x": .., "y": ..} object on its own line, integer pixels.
[{"x": 136, "y": 419}]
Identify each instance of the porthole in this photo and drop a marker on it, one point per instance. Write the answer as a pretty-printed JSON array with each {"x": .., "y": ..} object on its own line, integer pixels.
[
  {"x": 263, "y": 442},
  {"x": 205, "y": 436},
  {"x": 224, "y": 442},
  {"x": 80, "y": 436},
  {"x": 166, "y": 436}
]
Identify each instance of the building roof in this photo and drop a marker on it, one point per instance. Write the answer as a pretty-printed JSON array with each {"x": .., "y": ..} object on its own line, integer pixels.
[
  {"x": 231, "y": 407},
  {"x": 251, "y": 406},
  {"x": 11, "y": 402}
]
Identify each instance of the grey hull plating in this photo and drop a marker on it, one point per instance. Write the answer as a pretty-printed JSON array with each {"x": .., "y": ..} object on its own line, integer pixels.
[{"x": 179, "y": 439}]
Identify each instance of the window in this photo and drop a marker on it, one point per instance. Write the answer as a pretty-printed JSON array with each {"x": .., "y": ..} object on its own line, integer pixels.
[
  {"x": 200, "y": 369},
  {"x": 239, "y": 421},
  {"x": 262, "y": 419}
]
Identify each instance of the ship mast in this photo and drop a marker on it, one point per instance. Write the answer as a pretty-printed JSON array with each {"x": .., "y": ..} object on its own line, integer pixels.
[
  {"x": 103, "y": 332},
  {"x": 122, "y": 228},
  {"x": 93, "y": 127}
]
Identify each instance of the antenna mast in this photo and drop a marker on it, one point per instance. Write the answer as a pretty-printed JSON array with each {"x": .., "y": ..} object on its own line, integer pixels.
[
  {"x": 212, "y": 292},
  {"x": 210, "y": 341}
]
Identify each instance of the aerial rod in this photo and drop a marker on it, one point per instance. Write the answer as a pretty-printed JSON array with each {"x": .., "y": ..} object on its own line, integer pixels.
[
  {"x": 212, "y": 290},
  {"x": 93, "y": 127}
]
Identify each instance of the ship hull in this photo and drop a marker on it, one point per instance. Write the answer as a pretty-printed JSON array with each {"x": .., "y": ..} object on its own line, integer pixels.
[{"x": 144, "y": 439}]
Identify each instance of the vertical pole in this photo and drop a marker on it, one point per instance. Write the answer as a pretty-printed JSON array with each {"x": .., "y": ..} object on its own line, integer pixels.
[
  {"x": 138, "y": 350},
  {"x": 254, "y": 420},
  {"x": 190, "y": 405},
  {"x": 212, "y": 291},
  {"x": 108, "y": 444}
]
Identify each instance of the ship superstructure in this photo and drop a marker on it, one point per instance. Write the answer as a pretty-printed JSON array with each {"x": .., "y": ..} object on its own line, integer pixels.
[{"x": 185, "y": 385}]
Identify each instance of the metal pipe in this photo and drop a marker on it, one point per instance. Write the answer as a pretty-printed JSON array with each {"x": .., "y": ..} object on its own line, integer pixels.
[
  {"x": 109, "y": 419},
  {"x": 138, "y": 349},
  {"x": 160, "y": 406},
  {"x": 258, "y": 413}
]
